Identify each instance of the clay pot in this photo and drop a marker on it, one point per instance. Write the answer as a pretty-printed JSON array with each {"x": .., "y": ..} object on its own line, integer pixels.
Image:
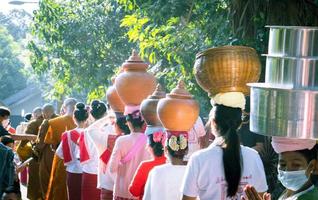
[
  {"x": 178, "y": 111},
  {"x": 113, "y": 98},
  {"x": 134, "y": 84},
  {"x": 148, "y": 107},
  {"x": 227, "y": 69}
]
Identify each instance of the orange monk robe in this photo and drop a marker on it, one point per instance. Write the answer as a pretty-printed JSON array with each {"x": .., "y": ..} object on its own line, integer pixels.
[
  {"x": 45, "y": 155},
  {"x": 57, "y": 185}
]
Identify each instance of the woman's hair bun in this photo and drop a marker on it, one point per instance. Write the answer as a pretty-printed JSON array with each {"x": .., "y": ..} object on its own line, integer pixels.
[
  {"x": 80, "y": 112},
  {"x": 80, "y": 106},
  {"x": 98, "y": 109}
]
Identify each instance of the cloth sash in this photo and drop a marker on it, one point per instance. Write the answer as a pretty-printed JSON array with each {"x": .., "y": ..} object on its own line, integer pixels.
[
  {"x": 73, "y": 135},
  {"x": 141, "y": 141},
  {"x": 110, "y": 145},
  {"x": 84, "y": 156}
]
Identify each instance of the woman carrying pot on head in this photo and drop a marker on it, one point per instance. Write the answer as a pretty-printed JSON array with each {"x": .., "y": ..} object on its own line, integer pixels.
[
  {"x": 225, "y": 167},
  {"x": 156, "y": 142},
  {"x": 129, "y": 151},
  {"x": 68, "y": 150},
  {"x": 88, "y": 153},
  {"x": 164, "y": 182},
  {"x": 103, "y": 133},
  {"x": 297, "y": 160}
]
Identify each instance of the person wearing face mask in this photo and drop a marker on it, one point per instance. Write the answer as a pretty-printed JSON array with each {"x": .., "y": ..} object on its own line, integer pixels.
[{"x": 296, "y": 162}]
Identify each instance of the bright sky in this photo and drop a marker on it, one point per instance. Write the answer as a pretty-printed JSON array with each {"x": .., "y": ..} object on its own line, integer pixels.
[{"x": 29, "y": 6}]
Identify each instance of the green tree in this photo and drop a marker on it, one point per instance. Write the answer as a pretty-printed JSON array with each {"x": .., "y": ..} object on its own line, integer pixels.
[
  {"x": 17, "y": 23},
  {"x": 11, "y": 78},
  {"x": 171, "y": 32},
  {"x": 80, "y": 44}
]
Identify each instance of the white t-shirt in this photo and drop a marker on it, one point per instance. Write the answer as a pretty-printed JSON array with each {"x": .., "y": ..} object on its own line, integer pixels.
[
  {"x": 90, "y": 166},
  {"x": 73, "y": 166},
  {"x": 205, "y": 177},
  {"x": 194, "y": 134},
  {"x": 164, "y": 182},
  {"x": 99, "y": 137}
]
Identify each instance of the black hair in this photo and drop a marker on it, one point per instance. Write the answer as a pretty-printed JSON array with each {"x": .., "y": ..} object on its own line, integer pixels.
[
  {"x": 98, "y": 109},
  {"x": 177, "y": 154},
  {"x": 13, "y": 189},
  {"x": 6, "y": 140},
  {"x": 27, "y": 117},
  {"x": 136, "y": 119},
  {"x": 157, "y": 147},
  {"x": 228, "y": 120},
  {"x": 4, "y": 112},
  {"x": 309, "y": 154},
  {"x": 121, "y": 123},
  {"x": 80, "y": 112}
]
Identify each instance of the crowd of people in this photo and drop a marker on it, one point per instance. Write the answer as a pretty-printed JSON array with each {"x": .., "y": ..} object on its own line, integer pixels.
[{"x": 88, "y": 152}]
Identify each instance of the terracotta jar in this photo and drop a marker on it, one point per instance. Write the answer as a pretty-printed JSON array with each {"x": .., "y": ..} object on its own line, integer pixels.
[
  {"x": 178, "y": 111},
  {"x": 227, "y": 69},
  {"x": 113, "y": 99},
  {"x": 134, "y": 84},
  {"x": 148, "y": 107}
]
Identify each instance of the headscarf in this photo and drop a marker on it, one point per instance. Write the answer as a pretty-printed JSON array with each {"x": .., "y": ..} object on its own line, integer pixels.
[{"x": 281, "y": 144}]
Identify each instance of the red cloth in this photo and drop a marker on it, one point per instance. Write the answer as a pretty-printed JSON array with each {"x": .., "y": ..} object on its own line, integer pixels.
[
  {"x": 24, "y": 176},
  {"x": 106, "y": 194},
  {"x": 89, "y": 187},
  {"x": 67, "y": 154},
  {"x": 74, "y": 185},
  {"x": 138, "y": 183},
  {"x": 11, "y": 130},
  {"x": 110, "y": 145},
  {"x": 84, "y": 156}
]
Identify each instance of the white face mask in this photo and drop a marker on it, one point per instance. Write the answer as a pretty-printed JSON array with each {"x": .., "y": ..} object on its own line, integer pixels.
[{"x": 292, "y": 180}]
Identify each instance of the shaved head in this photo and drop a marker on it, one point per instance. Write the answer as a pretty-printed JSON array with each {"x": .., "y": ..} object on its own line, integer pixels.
[
  {"x": 37, "y": 112},
  {"x": 48, "y": 111},
  {"x": 69, "y": 105}
]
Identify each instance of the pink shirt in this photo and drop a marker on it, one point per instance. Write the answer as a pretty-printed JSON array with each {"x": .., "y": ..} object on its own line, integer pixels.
[{"x": 125, "y": 172}]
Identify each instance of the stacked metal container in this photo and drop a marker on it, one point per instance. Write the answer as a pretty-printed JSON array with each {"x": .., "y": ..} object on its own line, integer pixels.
[{"x": 286, "y": 104}]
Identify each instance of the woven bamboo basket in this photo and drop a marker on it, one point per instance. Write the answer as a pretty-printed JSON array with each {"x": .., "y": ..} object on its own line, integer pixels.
[{"x": 227, "y": 69}]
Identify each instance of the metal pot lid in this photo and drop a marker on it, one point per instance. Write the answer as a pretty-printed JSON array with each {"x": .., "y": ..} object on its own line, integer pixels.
[
  {"x": 291, "y": 57},
  {"x": 293, "y": 27}
]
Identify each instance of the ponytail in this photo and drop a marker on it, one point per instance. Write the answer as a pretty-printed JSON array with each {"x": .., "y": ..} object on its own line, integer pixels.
[
  {"x": 232, "y": 162},
  {"x": 228, "y": 120}
]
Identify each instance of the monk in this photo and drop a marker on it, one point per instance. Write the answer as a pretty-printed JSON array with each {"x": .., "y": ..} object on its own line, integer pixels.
[
  {"x": 33, "y": 128},
  {"x": 57, "y": 184},
  {"x": 44, "y": 151}
]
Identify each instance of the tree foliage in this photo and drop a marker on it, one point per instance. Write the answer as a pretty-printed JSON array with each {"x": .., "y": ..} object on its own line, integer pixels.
[
  {"x": 11, "y": 78},
  {"x": 80, "y": 44}
]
